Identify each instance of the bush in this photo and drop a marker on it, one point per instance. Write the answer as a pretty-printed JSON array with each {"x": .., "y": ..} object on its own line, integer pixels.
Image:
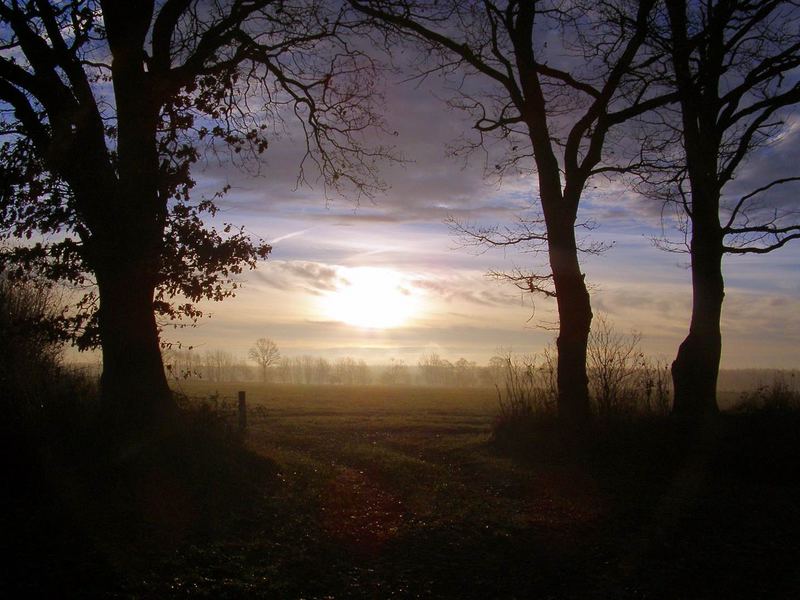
[
  {"x": 526, "y": 390},
  {"x": 781, "y": 395},
  {"x": 655, "y": 387},
  {"x": 31, "y": 343},
  {"x": 622, "y": 380},
  {"x": 526, "y": 387}
]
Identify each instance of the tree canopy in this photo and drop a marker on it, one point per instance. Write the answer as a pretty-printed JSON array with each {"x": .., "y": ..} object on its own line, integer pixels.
[
  {"x": 733, "y": 66},
  {"x": 106, "y": 109}
]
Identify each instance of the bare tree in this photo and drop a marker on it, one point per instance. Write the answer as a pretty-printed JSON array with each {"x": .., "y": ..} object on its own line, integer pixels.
[
  {"x": 395, "y": 373},
  {"x": 219, "y": 366},
  {"x": 465, "y": 373},
  {"x": 106, "y": 105},
  {"x": 349, "y": 371},
  {"x": 556, "y": 100},
  {"x": 182, "y": 363},
  {"x": 322, "y": 371},
  {"x": 265, "y": 354},
  {"x": 435, "y": 370},
  {"x": 345, "y": 370},
  {"x": 735, "y": 69}
]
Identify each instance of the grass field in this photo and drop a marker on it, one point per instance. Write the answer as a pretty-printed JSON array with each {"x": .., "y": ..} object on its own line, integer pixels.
[{"x": 399, "y": 493}]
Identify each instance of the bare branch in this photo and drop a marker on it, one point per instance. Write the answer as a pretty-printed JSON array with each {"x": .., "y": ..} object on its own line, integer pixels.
[{"x": 740, "y": 204}]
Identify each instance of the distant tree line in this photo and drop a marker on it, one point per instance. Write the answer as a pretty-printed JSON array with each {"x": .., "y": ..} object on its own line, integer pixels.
[
  {"x": 618, "y": 370},
  {"x": 221, "y": 365}
]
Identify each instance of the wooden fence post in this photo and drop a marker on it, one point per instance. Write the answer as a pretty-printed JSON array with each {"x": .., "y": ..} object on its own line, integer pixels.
[{"x": 242, "y": 413}]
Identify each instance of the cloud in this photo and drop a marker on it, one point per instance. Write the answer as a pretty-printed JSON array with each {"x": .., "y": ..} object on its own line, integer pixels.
[
  {"x": 288, "y": 236},
  {"x": 313, "y": 277},
  {"x": 473, "y": 290},
  {"x": 316, "y": 241},
  {"x": 318, "y": 278},
  {"x": 427, "y": 185},
  {"x": 649, "y": 307}
]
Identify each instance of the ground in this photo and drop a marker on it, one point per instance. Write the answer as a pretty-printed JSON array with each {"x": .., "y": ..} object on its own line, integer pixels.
[{"x": 400, "y": 492}]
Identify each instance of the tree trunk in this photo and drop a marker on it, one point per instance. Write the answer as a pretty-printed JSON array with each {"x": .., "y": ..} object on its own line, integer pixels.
[
  {"x": 560, "y": 208},
  {"x": 134, "y": 387},
  {"x": 696, "y": 367},
  {"x": 130, "y": 237},
  {"x": 575, "y": 318}
]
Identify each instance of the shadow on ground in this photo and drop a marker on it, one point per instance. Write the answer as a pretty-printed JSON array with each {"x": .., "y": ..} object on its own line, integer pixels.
[{"x": 380, "y": 509}]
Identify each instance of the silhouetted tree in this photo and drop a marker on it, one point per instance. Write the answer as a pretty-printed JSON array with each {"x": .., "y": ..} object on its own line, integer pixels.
[
  {"x": 494, "y": 370},
  {"x": 106, "y": 105},
  {"x": 556, "y": 100},
  {"x": 265, "y": 354},
  {"x": 219, "y": 365},
  {"x": 320, "y": 371},
  {"x": 735, "y": 68}
]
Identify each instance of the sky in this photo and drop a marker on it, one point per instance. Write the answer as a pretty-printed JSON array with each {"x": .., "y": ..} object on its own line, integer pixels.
[{"x": 387, "y": 278}]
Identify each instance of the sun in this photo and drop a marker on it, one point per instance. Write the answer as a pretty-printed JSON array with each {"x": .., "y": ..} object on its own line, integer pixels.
[{"x": 371, "y": 298}]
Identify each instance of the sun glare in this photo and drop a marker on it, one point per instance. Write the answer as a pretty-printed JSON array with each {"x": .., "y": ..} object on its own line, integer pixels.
[{"x": 371, "y": 298}]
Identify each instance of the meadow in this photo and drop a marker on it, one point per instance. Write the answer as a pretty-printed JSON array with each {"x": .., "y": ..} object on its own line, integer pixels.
[{"x": 401, "y": 492}]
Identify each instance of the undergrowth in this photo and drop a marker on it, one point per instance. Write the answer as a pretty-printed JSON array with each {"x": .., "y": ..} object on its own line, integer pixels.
[{"x": 781, "y": 395}]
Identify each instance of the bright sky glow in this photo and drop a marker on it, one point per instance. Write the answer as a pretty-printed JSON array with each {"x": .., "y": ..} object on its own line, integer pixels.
[
  {"x": 371, "y": 298},
  {"x": 387, "y": 279}
]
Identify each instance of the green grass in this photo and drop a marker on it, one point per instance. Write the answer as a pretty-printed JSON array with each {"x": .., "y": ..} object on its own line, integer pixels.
[{"x": 381, "y": 492}]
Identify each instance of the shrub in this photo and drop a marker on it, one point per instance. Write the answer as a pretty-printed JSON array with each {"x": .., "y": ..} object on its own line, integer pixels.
[
  {"x": 622, "y": 380},
  {"x": 31, "y": 341},
  {"x": 655, "y": 387},
  {"x": 781, "y": 395},
  {"x": 613, "y": 360},
  {"x": 526, "y": 390}
]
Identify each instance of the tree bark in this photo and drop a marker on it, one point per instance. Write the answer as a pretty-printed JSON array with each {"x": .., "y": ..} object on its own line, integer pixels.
[
  {"x": 575, "y": 318},
  {"x": 134, "y": 386},
  {"x": 696, "y": 367},
  {"x": 128, "y": 243},
  {"x": 560, "y": 208}
]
